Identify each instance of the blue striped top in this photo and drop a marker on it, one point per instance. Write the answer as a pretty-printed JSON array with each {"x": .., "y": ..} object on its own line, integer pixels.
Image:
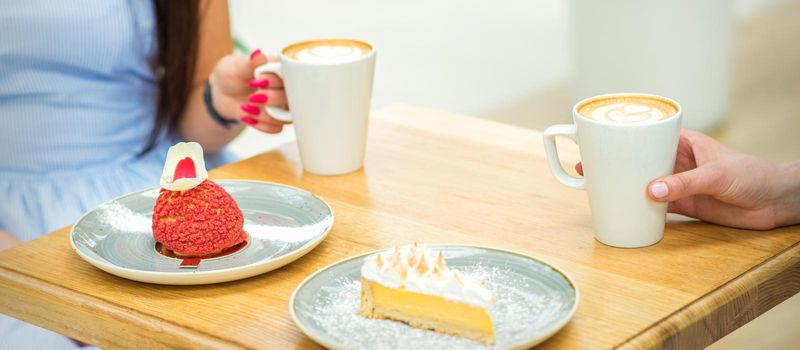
[{"x": 77, "y": 99}]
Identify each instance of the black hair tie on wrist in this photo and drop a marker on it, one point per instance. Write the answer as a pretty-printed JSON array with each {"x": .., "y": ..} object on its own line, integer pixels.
[{"x": 226, "y": 123}]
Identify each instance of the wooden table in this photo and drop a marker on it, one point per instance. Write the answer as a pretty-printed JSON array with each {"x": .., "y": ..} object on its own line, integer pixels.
[{"x": 438, "y": 178}]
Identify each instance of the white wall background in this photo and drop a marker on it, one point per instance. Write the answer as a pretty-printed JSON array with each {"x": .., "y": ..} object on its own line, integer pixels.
[
  {"x": 460, "y": 56},
  {"x": 470, "y": 57}
]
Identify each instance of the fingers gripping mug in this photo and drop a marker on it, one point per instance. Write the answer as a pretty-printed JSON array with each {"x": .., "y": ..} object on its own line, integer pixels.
[
  {"x": 328, "y": 86},
  {"x": 626, "y": 140}
]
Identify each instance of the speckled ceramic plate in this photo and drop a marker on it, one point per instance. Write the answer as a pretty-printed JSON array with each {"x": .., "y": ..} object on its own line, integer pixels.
[
  {"x": 534, "y": 301},
  {"x": 283, "y": 223}
]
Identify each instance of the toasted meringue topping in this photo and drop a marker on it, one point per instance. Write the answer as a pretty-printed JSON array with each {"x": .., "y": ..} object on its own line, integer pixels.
[
  {"x": 413, "y": 267},
  {"x": 440, "y": 264},
  {"x": 185, "y": 167}
]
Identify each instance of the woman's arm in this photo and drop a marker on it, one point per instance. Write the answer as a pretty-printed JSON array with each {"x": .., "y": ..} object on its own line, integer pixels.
[
  {"x": 214, "y": 43},
  {"x": 235, "y": 94}
]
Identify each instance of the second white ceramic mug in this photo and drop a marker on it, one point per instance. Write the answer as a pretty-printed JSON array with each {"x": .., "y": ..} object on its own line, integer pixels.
[
  {"x": 619, "y": 160},
  {"x": 330, "y": 104}
]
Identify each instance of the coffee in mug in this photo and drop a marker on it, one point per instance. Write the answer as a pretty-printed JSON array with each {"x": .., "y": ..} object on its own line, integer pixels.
[
  {"x": 627, "y": 109},
  {"x": 328, "y": 51}
]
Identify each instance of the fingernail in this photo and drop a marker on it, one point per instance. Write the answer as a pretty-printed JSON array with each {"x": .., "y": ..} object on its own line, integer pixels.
[
  {"x": 254, "y": 53},
  {"x": 659, "y": 189},
  {"x": 258, "y": 83},
  {"x": 257, "y": 98},
  {"x": 248, "y": 120},
  {"x": 250, "y": 109}
]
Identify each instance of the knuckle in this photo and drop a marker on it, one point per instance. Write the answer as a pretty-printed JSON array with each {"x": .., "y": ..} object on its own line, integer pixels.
[
  {"x": 681, "y": 183},
  {"x": 719, "y": 182}
]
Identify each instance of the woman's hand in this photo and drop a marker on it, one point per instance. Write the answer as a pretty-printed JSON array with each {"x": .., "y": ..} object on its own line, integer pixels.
[
  {"x": 236, "y": 95},
  {"x": 717, "y": 184}
]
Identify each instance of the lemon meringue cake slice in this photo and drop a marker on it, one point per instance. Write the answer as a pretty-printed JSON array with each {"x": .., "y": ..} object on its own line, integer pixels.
[{"x": 408, "y": 284}]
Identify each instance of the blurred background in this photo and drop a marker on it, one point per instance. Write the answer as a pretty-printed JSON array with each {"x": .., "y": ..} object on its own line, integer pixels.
[{"x": 734, "y": 65}]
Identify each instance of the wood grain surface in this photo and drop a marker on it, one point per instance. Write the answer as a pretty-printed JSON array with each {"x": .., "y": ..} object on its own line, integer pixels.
[{"x": 430, "y": 177}]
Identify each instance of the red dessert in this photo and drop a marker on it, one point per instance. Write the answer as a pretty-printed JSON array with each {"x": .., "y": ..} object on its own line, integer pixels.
[
  {"x": 193, "y": 216},
  {"x": 201, "y": 221}
]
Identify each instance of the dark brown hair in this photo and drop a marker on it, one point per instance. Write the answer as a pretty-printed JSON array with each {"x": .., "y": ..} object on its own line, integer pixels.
[{"x": 177, "y": 34}]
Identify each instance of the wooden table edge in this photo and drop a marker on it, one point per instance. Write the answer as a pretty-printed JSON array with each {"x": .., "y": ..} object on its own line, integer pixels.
[
  {"x": 66, "y": 311},
  {"x": 725, "y": 308}
]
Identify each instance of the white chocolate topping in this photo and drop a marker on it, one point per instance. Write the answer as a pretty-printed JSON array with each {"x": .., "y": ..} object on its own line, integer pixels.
[{"x": 178, "y": 154}]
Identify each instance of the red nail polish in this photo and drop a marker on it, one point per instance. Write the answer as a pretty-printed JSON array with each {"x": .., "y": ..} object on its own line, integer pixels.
[
  {"x": 258, "y": 83},
  {"x": 250, "y": 109},
  {"x": 254, "y": 53},
  {"x": 248, "y": 120},
  {"x": 258, "y": 98}
]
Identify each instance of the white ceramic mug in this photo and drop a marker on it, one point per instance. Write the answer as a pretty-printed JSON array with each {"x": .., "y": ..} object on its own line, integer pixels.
[
  {"x": 330, "y": 104},
  {"x": 619, "y": 160}
]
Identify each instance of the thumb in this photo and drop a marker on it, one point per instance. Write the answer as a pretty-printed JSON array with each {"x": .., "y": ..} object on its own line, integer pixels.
[
  {"x": 702, "y": 180},
  {"x": 241, "y": 67},
  {"x": 257, "y": 58}
]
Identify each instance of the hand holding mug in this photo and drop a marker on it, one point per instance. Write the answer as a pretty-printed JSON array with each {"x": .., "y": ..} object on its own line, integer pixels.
[
  {"x": 717, "y": 184},
  {"x": 237, "y": 94},
  {"x": 329, "y": 86}
]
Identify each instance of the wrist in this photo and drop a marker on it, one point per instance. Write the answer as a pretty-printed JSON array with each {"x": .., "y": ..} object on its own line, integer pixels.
[
  {"x": 211, "y": 108},
  {"x": 787, "y": 207}
]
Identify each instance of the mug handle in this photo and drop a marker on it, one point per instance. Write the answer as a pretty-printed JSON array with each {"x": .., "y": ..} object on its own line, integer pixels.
[
  {"x": 274, "y": 68},
  {"x": 568, "y": 130}
]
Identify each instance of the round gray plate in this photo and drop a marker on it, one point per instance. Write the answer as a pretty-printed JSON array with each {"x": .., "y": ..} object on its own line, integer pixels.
[
  {"x": 283, "y": 223},
  {"x": 534, "y": 301}
]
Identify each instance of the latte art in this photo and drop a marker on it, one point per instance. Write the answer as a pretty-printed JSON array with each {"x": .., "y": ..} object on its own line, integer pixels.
[
  {"x": 627, "y": 113},
  {"x": 328, "y": 51},
  {"x": 627, "y": 110}
]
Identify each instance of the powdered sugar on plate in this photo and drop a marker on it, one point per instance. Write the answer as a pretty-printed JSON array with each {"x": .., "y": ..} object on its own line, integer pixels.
[{"x": 532, "y": 299}]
